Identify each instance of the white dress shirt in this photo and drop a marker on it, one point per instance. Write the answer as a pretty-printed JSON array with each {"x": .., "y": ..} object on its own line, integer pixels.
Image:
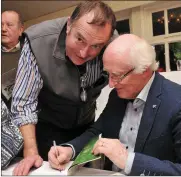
[{"x": 130, "y": 125}]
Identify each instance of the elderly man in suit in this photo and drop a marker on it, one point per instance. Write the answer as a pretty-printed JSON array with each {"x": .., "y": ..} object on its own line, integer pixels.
[{"x": 141, "y": 124}]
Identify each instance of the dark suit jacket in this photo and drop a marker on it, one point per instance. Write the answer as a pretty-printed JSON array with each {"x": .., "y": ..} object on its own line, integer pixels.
[{"x": 158, "y": 143}]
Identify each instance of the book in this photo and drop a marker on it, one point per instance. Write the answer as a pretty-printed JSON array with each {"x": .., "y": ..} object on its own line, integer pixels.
[
  {"x": 71, "y": 167},
  {"x": 84, "y": 156}
]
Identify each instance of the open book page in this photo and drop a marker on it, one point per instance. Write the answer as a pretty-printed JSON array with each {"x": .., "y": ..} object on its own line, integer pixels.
[
  {"x": 7, "y": 83},
  {"x": 45, "y": 169}
]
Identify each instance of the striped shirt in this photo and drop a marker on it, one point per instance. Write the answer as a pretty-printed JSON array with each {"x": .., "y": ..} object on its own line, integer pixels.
[{"x": 29, "y": 83}]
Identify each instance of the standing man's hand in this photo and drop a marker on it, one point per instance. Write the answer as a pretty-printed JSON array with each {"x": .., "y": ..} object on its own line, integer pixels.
[
  {"x": 113, "y": 149},
  {"x": 59, "y": 156},
  {"x": 31, "y": 155},
  {"x": 26, "y": 164}
]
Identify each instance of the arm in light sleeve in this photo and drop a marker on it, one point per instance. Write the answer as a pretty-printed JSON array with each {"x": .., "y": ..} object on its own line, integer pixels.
[{"x": 27, "y": 87}]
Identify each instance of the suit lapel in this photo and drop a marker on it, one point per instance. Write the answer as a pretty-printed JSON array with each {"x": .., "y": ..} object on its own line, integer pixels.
[
  {"x": 118, "y": 118},
  {"x": 149, "y": 114}
]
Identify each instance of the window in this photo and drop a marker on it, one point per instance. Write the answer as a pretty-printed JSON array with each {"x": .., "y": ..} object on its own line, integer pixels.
[
  {"x": 160, "y": 57},
  {"x": 158, "y": 23},
  {"x": 175, "y": 56},
  {"x": 162, "y": 28},
  {"x": 123, "y": 26},
  {"x": 174, "y": 20}
]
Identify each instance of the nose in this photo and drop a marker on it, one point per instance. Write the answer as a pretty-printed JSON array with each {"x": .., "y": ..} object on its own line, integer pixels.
[
  {"x": 84, "y": 52},
  {"x": 111, "y": 83},
  {"x": 4, "y": 27}
]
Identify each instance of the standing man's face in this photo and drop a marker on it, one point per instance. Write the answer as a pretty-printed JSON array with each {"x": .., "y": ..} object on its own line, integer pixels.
[
  {"x": 84, "y": 41},
  {"x": 11, "y": 29}
]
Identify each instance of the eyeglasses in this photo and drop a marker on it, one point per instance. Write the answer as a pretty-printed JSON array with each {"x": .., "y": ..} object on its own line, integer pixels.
[{"x": 119, "y": 78}]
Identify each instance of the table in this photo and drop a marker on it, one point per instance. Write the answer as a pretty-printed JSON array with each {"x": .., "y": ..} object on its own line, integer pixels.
[
  {"x": 83, "y": 171},
  {"x": 45, "y": 169}
]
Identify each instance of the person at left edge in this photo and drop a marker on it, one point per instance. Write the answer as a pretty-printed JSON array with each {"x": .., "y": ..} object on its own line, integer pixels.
[
  {"x": 60, "y": 65},
  {"x": 12, "y": 40}
]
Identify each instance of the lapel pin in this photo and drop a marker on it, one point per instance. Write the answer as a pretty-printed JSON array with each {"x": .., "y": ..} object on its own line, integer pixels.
[{"x": 154, "y": 106}]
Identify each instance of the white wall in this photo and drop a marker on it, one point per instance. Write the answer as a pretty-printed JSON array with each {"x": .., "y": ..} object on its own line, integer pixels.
[{"x": 174, "y": 76}]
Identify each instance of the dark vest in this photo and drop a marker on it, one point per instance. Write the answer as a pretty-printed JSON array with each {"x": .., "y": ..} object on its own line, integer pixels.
[
  {"x": 9, "y": 63},
  {"x": 59, "y": 99}
]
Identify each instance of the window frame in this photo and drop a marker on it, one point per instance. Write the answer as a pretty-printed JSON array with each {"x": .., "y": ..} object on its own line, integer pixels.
[{"x": 148, "y": 26}]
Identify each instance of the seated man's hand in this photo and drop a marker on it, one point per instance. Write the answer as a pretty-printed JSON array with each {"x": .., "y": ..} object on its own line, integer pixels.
[
  {"x": 26, "y": 164},
  {"x": 58, "y": 156},
  {"x": 113, "y": 149}
]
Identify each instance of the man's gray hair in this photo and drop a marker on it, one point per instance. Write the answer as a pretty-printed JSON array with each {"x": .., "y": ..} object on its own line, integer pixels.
[{"x": 142, "y": 56}]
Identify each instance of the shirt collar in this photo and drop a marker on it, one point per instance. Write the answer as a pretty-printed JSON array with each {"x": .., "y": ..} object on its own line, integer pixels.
[
  {"x": 144, "y": 92},
  {"x": 13, "y": 49}
]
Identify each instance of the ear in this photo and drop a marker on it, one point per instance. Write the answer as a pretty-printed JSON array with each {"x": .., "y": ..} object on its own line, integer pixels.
[
  {"x": 69, "y": 24},
  {"x": 147, "y": 72},
  {"x": 21, "y": 29}
]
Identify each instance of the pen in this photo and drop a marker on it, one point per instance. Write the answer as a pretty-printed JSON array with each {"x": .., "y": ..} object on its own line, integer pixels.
[{"x": 56, "y": 150}]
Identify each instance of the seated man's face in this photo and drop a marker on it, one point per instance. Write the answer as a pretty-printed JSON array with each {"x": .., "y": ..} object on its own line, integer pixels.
[
  {"x": 84, "y": 41},
  {"x": 10, "y": 29},
  {"x": 122, "y": 77}
]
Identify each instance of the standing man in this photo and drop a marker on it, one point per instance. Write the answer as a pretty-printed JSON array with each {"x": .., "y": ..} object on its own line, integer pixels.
[
  {"x": 141, "y": 123},
  {"x": 60, "y": 76}
]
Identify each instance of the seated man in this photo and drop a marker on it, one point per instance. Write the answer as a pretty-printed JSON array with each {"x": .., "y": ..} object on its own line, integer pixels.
[{"x": 141, "y": 124}]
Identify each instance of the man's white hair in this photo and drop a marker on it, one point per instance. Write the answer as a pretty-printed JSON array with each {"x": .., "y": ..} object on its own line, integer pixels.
[{"x": 142, "y": 56}]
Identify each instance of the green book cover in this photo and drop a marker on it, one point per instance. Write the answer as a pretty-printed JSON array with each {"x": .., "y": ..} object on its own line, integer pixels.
[{"x": 86, "y": 154}]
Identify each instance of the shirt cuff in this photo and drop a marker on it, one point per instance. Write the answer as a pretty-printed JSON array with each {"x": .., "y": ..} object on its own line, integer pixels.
[
  {"x": 66, "y": 144},
  {"x": 24, "y": 120},
  {"x": 129, "y": 163}
]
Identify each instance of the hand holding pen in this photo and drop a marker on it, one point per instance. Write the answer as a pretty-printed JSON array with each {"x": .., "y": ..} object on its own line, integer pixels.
[
  {"x": 56, "y": 153},
  {"x": 59, "y": 156}
]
